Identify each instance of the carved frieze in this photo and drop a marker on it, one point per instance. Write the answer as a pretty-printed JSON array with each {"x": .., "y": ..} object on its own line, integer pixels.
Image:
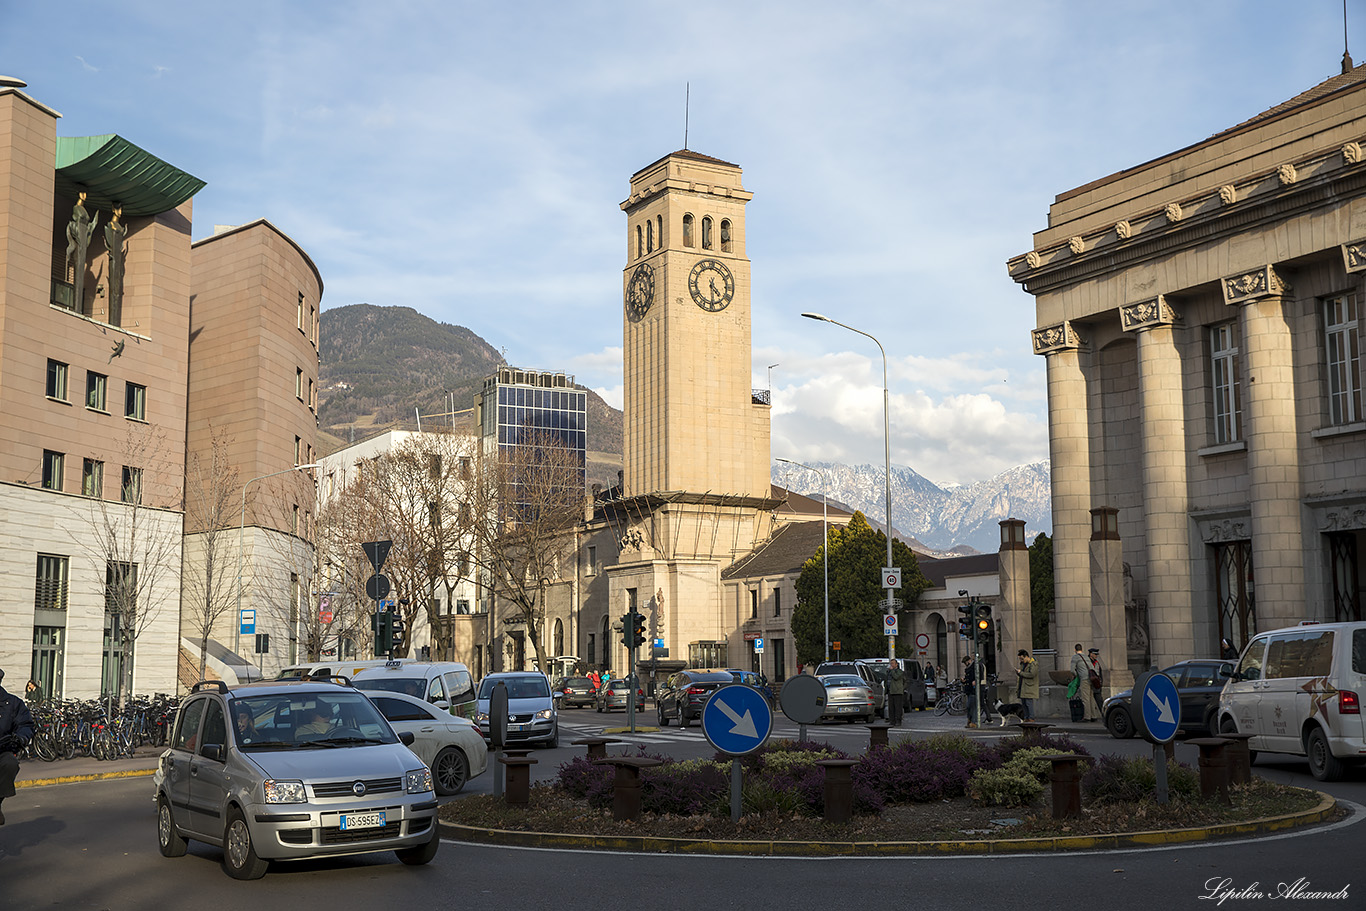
[
  {"x": 1255, "y": 285},
  {"x": 1342, "y": 518},
  {"x": 1147, "y": 314},
  {"x": 1354, "y": 256},
  {"x": 631, "y": 540},
  {"x": 1216, "y": 531},
  {"x": 1351, "y": 153},
  {"x": 1051, "y": 339},
  {"x": 1228, "y": 195}
]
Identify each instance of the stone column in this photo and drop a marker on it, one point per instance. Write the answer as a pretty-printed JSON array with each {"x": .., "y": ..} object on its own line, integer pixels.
[
  {"x": 1272, "y": 447},
  {"x": 1014, "y": 616},
  {"x": 1109, "y": 632},
  {"x": 1069, "y": 448},
  {"x": 1165, "y": 501}
]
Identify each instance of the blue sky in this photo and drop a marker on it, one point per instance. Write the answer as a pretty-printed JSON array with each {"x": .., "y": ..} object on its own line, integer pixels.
[{"x": 467, "y": 160}]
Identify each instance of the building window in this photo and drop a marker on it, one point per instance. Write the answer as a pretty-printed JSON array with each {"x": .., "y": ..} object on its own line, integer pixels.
[
  {"x": 301, "y": 311},
  {"x": 464, "y": 468},
  {"x": 120, "y": 606},
  {"x": 1342, "y": 346},
  {"x": 706, "y": 232},
  {"x": 96, "y": 388},
  {"x": 1227, "y": 388},
  {"x": 56, "y": 380},
  {"x": 47, "y": 660},
  {"x": 687, "y": 231},
  {"x": 54, "y": 463},
  {"x": 640, "y": 243},
  {"x": 753, "y": 603},
  {"x": 92, "y": 478},
  {"x": 649, "y": 237},
  {"x": 49, "y": 591},
  {"x": 135, "y": 402},
  {"x": 299, "y": 383},
  {"x": 294, "y": 520},
  {"x": 779, "y": 660},
  {"x": 659, "y": 230},
  {"x": 777, "y": 602},
  {"x": 312, "y": 325},
  {"x": 725, "y": 235},
  {"x": 299, "y": 452},
  {"x": 1346, "y": 571},
  {"x": 592, "y": 560},
  {"x": 130, "y": 491},
  {"x": 1234, "y": 592}
]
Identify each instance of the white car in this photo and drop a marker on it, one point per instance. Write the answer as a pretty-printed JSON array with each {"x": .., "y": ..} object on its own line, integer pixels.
[{"x": 452, "y": 747}]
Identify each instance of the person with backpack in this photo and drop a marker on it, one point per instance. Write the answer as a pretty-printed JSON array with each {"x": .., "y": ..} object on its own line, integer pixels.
[{"x": 16, "y": 730}]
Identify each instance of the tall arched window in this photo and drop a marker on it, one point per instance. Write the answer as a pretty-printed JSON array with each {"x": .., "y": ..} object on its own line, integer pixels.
[
  {"x": 688, "y": 240},
  {"x": 706, "y": 232},
  {"x": 649, "y": 237},
  {"x": 559, "y": 637},
  {"x": 725, "y": 235},
  {"x": 640, "y": 243},
  {"x": 606, "y": 646},
  {"x": 659, "y": 230}
]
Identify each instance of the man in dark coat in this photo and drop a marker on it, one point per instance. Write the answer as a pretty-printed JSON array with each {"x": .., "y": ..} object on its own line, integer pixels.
[{"x": 16, "y": 730}]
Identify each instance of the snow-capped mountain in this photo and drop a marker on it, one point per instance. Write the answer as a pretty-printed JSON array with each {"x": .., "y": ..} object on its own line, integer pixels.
[{"x": 940, "y": 518}]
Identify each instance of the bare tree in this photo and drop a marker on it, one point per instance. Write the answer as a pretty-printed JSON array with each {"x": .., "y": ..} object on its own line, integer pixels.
[
  {"x": 212, "y": 489},
  {"x": 138, "y": 538}
]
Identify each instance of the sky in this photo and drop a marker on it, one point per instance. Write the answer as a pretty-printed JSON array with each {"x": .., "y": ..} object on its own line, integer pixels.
[{"x": 468, "y": 160}]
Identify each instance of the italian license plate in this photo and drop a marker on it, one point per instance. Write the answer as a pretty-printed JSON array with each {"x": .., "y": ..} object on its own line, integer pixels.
[
  {"x": 847, "y": 708},
  {"x": 351, "y": 821},
  {"x": 515, "y": 727}
]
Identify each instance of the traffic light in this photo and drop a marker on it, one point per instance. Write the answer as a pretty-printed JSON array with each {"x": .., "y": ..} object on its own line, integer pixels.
[
  {"x": 398, "y": 632},
  {"x": 624, "y": 624},
  {"x": 381, "y": 625},
  {"x": 965, "y": 622},
  {"x": 637, "y": 630},
  {"x": 983, "y": 621}
]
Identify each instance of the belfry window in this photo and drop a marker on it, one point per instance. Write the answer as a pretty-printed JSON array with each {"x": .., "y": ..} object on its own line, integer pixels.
[
  {"x": 725, "y": 235},
  {"x": 659, "y": 230},
  {"x": 706, "y": 232},
  {"x": 649, "y": 237},
  {"x": 688, "y": 240},
  {"x": 640, "y": 243}
]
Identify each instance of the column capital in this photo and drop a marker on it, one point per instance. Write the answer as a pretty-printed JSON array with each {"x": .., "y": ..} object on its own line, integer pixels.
[
  {"x": 1354, "y": 256},
  {"x": 1149, "y": 314},
  {"x": 1059, "y": 337},
  {"x": 1260, "y": 283}
]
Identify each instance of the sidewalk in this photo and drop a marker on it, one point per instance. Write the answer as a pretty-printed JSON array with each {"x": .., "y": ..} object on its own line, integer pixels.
[{"x": 35, "y": 772}]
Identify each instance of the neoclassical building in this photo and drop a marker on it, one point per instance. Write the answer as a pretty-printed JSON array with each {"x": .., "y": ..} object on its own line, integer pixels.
[{"x": 1201, "y": 319}]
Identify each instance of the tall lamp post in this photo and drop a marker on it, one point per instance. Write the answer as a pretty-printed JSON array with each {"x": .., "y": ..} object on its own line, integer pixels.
[
  {"x": 825, "y": 543},
  {"x": 241, "y": 545},
  {"x": 887, "y": 444}
]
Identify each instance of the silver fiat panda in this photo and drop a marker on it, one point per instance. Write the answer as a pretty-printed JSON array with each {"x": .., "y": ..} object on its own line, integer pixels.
[{"x": 285, "y": 770}]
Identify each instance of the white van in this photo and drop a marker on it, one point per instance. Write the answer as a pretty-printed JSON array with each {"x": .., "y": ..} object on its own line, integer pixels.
[
  {"x": 1298, "y": 690},
  {"x": 445, "y": 684}
]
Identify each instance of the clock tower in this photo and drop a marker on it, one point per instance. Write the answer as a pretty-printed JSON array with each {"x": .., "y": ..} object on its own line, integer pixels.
[{"x": 692, "y": 422}]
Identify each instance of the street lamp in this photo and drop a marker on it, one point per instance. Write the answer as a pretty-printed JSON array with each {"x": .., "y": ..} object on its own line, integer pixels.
[
  {"x": 887, "y": 442},
  {"x": 825, "y": 543},
  {"x": 241, "y": 544}
]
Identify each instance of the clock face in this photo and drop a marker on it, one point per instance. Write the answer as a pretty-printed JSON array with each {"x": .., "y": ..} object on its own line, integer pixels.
[
  {"x": 711, "y": 285},
  {"x": 640, "y": 292}
]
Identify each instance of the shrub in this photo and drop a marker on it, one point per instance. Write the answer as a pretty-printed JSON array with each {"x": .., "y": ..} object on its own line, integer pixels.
[
  {"x": 1119, "y": 779},
  {"x": 1008, "y": 786},
  {"x": 579, "y": 775},
  {"x": 1054, "y": 743},
  {"x": 961, "y": 744},
  {"x": 914, "y": 772},
  {"x": 774, "y": 762},
  {"x": 1030, "y": 761},
  {"x": 760, "y": 797},
  {"x": 682, "y": 788}
]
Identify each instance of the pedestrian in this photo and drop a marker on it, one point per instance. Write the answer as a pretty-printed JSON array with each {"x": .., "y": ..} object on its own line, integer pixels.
[
  {"x": 1227, "y": 651},
  {"x": 33, "y": 692},
  {"x": 1027, "y": 690},
  {"x": 971, "y": 679},
  {"x": 896, "y": 691},
  {"x": 1095, "y": 678},
  {"x": 1081, "y": 672},
  {"x": 16, "y": 730}
]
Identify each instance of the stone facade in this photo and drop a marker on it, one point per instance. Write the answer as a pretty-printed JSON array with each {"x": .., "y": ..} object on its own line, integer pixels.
[{"x": 1204, "y": 380}]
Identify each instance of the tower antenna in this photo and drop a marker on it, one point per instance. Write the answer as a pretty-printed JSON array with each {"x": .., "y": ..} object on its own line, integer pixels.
[
  {"x": 687, "y": 93},
  {"x": 1346, "y": 57}
]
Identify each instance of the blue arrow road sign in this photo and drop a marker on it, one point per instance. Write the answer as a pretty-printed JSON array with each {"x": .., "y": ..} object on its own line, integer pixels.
[
  {"x": 737, "y": 719},
  {"x": 1159, "y": 707}
]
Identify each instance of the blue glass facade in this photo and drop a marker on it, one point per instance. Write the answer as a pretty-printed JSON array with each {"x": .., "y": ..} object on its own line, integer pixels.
[{"x": 533, "y": 409}]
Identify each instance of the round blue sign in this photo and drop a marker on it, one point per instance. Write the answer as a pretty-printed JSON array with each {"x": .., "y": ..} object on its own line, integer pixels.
[
  {"x": 737, "y": 719},
  {"x": 1156, "y": 706}
]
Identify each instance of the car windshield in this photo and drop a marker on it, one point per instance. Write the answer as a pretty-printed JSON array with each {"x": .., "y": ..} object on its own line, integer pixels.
[
  {"x": 842, "y": 680},
  {"x": 306, "y": 721},
  {"x": 408, "y": 686},
  {"x": 518, "y": 687},
  {"x": 578, "y": 681}
]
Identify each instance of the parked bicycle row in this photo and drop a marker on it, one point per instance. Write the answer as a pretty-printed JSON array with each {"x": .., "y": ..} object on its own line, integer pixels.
[{"x": 65, "y": 729}]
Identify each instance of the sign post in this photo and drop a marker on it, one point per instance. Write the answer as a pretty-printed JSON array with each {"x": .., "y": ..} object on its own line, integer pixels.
[
  {"x": 1158, "y": 717},
  {"x": 737, "y": 720},
  {"x": 802, "y": 700}
]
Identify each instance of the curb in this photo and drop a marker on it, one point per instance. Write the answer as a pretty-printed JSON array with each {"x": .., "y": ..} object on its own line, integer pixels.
[
  {"x": 663, "y": 845},
  {"x": 97, "y": 776}
]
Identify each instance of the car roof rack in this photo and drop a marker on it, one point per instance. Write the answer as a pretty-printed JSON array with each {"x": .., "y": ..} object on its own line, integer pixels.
[
  {"x": 219, "y": 685},
  {"x": 337, "y": 679}
]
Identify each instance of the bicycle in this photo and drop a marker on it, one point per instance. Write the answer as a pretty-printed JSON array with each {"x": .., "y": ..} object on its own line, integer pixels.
[{"x": 952, "y": 700}]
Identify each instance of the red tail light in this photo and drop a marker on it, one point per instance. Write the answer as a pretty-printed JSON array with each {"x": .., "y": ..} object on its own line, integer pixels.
[
  {"x": 1348, "y": 703},
  {"x": 696, "y": 690}
]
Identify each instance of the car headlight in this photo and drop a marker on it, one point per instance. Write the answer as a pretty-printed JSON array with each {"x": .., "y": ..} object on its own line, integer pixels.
[
  {"x": 284, "y": 791},
  {"x": 481, "y": 717},
  {"x": 418, "y": 781},
  {"x": 544, "y": 714}
]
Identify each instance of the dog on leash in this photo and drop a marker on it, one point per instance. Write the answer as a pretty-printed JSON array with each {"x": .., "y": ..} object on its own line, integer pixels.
[{"x": 1008, "y": 711}]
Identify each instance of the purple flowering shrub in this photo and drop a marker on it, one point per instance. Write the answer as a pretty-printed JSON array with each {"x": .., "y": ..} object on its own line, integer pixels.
[
  {"x": 914, "y": 772},
  {"x": 683, "y": 788}
]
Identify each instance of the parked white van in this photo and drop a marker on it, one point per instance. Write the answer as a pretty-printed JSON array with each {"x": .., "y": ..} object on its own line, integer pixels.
[{"x": 1298, "y": 690}]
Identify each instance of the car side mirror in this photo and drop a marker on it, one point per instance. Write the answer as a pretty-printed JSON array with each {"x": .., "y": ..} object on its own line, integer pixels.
[
  {"x": 442, "y": 704},
  {"x": 213, "y": 751},
  {"x": 407, "y": 738},
  {"x": 1228, "y": 672}
]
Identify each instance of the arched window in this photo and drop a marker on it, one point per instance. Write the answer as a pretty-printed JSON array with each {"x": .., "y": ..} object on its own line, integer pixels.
[
  {"x": 649, "y": 237},
  {"x": 659, "y": 230},
  {"x": 640, "y": 244},
  {"x": 687, "y": 232},
  {"x": 725, "y": 235},
  {"x": 559, "y": 636},
  {"x": 706, "y": 232}
]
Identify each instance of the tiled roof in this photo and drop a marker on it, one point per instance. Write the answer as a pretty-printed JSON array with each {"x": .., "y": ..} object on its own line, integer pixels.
[
  {"x": 791, "y": 546},
  {"x": 975, "y": 565}
]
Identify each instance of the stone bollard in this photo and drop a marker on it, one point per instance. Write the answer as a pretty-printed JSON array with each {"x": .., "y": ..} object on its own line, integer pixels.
[
  {"x": 877, "y": 734},
  {"x": 518, "y": 793},
  {"x": 1032, "y": 730},
  {"x": 1213, "y": 767},
  {"x": 1239, "y": 758},
  {"x": 597, "y": 746},
  {"x": 839, "y": 789},
  {"x": 1066, "y": 779},
  {"x": 626, "y": 783}
]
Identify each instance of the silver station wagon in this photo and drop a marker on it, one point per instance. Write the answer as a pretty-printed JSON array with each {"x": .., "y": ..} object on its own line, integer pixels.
[{"x": 288, "y": 770}]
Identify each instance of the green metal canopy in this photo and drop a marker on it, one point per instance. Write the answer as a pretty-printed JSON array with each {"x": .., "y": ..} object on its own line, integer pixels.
[{"x": 113, "y": 171}]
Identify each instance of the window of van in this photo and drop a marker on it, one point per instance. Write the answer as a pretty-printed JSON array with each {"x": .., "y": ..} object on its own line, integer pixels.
[
  {"x": 1305, "y": 654},
  {"x": 1250, "y": 667},
  {"x": 459, "y": 685},
  {"x": 435, "y": 691},
  {"x": 1359, "y": 651}
]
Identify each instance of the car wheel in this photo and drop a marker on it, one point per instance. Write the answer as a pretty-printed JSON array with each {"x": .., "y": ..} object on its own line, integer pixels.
[
  {"x": 663, "y": 719},
  {"x": 168, "y": 839},
  {"x": 239, "y": 854},
  {"x": 450, "y": 771},
  {"x": 682, "y": 718},
  {"x": 553, "y": 741},
  {"x": 1322, "y": 763},
  {"x": 599, "y": 708},
  {"x": 418, "y": 855},
  {"x": 1229, "y": 726},
  {"x": 1119, "y": 724}
]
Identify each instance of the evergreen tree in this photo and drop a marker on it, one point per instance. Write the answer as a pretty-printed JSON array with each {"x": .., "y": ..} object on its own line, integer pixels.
[{"x": 1041, "y": 587}]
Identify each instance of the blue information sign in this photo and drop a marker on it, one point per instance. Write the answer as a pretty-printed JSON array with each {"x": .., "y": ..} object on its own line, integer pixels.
[
  {"x": 1159, "y": 707},
  {"x": 737, "y": 719},
  {"x": 248, "y": 625}
]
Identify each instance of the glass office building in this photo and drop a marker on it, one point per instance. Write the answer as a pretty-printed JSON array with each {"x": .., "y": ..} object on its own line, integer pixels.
[{"x": 527, "y": 412}]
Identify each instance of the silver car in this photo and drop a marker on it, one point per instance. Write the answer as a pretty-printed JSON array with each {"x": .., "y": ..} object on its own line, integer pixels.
[
  {"x": 847, "y": 696},
  {"x": 532, "y": 715},
  {"x": 289, "y": 770}
]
